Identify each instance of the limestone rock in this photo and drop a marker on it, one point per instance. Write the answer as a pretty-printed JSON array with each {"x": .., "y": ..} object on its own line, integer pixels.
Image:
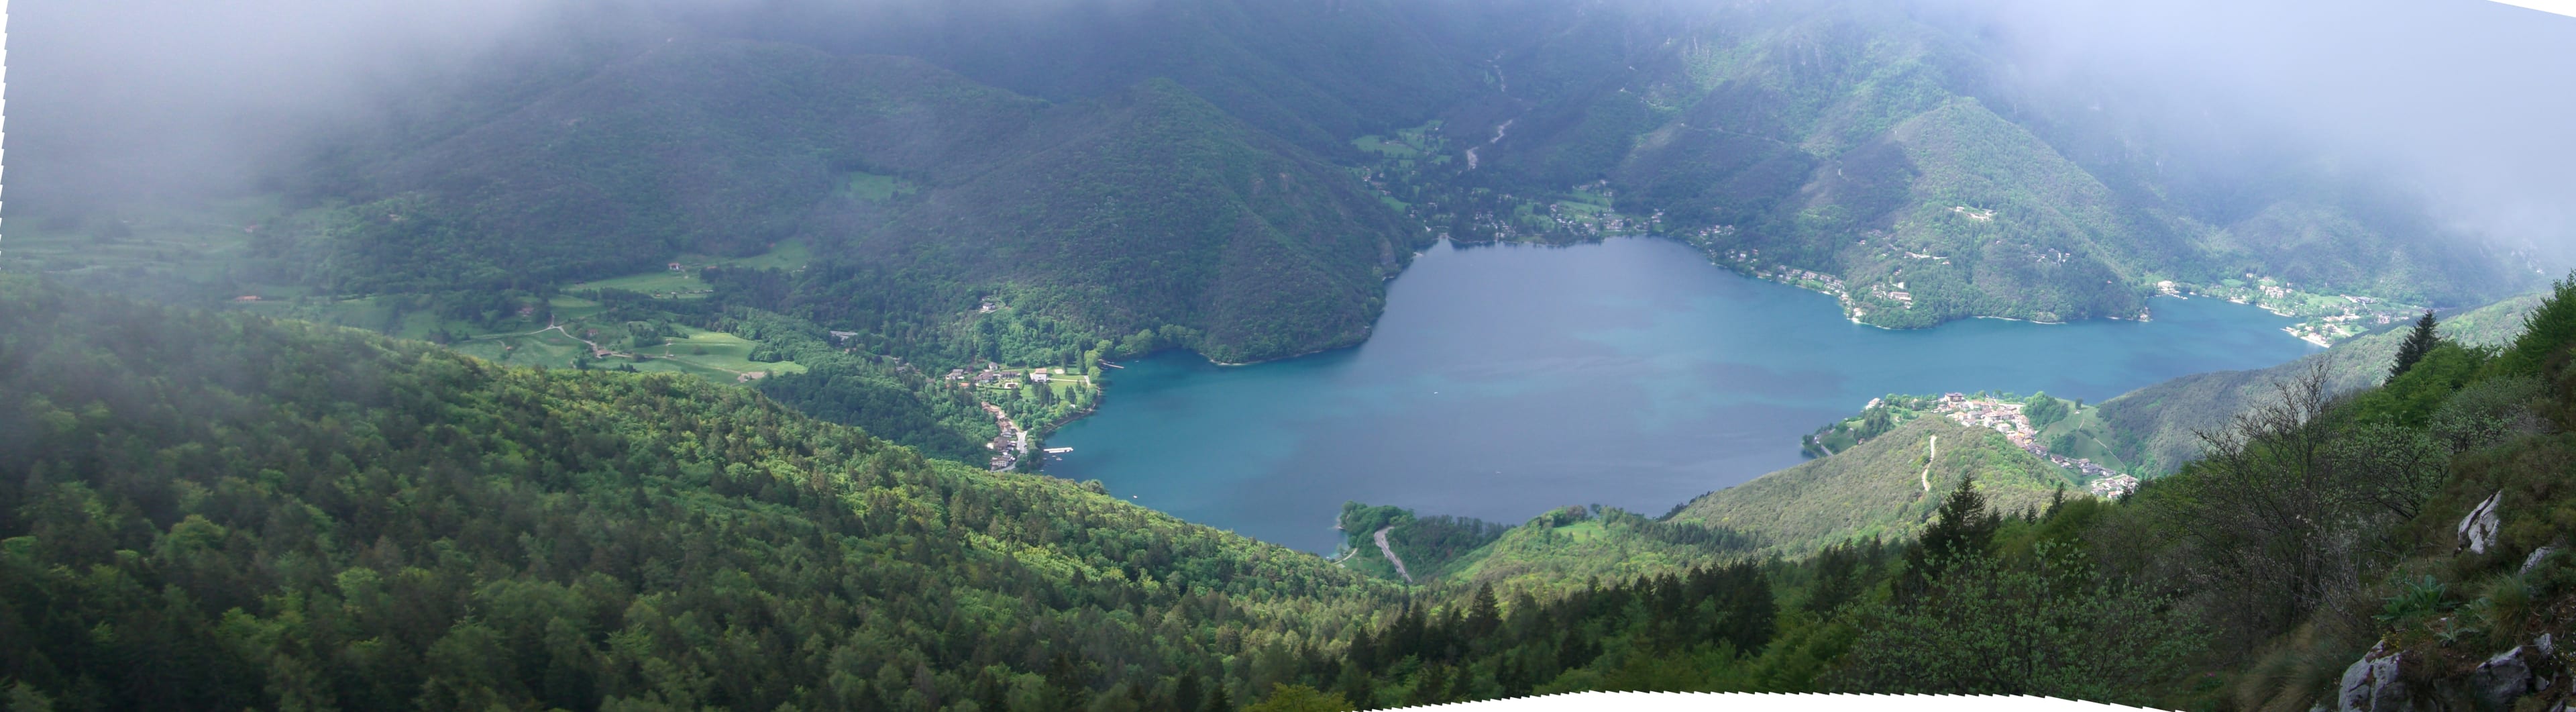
[
  {"x": 2512, "y": 674},
  {"x": 2478, "y": 530},
  {"x": 2536, "y": 556},
  {"x": 2371, "y": 684}
]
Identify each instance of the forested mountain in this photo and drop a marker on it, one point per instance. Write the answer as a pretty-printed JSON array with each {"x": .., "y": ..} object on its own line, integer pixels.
[
  {"x": 219, "y": 512},
  {"x": 1890, "y": 147},
  {"x": 1142, "y": 208},
  {"x": 276, "y": 514},
  {"x": 1315, "y": 74},
  {"x": 1191, "y": 164}
]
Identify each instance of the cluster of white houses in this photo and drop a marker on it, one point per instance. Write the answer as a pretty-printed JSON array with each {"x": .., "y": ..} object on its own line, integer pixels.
[{"x": 2007, "y": 418}]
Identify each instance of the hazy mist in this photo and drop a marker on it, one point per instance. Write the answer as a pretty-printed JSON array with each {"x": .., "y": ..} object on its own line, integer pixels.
[
  {"x": 162, "y": 97},
  {"x": 2463, "y": 100}
]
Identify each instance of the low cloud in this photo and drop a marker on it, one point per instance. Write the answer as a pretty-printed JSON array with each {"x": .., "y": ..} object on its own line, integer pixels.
[{"x": 2467, "y": 102}]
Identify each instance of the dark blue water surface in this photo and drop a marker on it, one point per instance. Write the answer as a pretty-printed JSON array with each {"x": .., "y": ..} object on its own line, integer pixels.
[{"x": 1503, "y": 381}]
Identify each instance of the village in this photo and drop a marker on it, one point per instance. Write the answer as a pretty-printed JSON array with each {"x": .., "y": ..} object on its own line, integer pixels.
[
  {"x": 2006, "y": 417},
  {"x": 1011, "y": 444},
  {"x": 2325, "y": 318}
]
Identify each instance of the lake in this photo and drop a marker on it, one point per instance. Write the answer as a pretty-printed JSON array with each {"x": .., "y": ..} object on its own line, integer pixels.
[{"x": 1504, "y": 381}]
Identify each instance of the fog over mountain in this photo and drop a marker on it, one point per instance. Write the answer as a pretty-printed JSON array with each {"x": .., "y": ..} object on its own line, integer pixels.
[
  {"x": 2461, "y": 102},
  {"x": 153, "y": 97},
  {"x": 2464, "y": 101}
]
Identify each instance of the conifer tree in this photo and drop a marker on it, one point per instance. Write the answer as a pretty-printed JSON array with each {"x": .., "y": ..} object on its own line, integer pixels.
[
  {"x": 1187, "y": 693},
  {"x": 2417, "y": 344}
]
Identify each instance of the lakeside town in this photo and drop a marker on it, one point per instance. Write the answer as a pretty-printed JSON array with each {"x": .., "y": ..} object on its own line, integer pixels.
[
  {"x": 1011, "y": 443},
  {"x": 2007, "y": 417}
]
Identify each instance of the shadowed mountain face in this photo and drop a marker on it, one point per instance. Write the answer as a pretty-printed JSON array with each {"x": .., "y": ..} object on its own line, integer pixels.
[
  {"x": 1137, "y": 209},
  {"x": 1117, "y": 167}
]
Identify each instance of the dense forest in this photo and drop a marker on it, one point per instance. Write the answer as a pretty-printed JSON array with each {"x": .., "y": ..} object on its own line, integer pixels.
[
  {"x": 218, "y": 511},
  {"x": 281, "y": 514}
]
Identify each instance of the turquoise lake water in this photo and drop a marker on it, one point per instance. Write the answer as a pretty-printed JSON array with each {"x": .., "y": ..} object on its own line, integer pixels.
[{"x": 1505, "y": 381}]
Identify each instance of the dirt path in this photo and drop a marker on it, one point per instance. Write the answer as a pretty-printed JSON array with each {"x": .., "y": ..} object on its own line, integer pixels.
[
  {"x": 1498, "y": 138},
  {"x": 1932, "y": 451},
  {"x": 1390, "y": 555}
]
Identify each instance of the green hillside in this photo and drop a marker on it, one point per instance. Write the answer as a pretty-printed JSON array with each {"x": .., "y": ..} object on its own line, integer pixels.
[
  {"x": 2391, "y": 544},
  {"x": 219, "y": 511},
  {"x": 2154, "y": 427},
  {"x": 282, "y": 514},
  {"x": 1879, "y": 488},
  {"x": 1555, "y": 553}
]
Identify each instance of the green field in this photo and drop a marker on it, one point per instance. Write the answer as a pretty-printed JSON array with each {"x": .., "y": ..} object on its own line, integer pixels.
[
  {"x": 664, "y": 285},
  {"x": 1405, "y": 146},
  {"x": 1381, "y": 146},
  {"x": 876, "y": 188},
  {"x": 685, "y": 284},
  {"x": 549, "y": 349},
  {"x": 714, "y": 353},
  {"x": 197, "y": 244},
  {"x": 788, "y": 255},
  {"x": 2083, "y": 436},
  {"x": 1064, "y": 387}
]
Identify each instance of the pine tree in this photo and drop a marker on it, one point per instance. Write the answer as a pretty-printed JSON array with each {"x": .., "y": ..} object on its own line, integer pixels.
[
  {"x": 1187, "y": 693},
  {"x": 2417, "y": 344},
  {"x": 1483, "y": 616},
  {"x": 1963, "y": 527}
]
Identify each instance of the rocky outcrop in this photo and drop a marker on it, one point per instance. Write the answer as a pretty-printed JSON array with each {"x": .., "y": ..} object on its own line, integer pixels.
[
  {"x": 2371, "y": 684},
  {"x": 2537, "y": 555},
  {"x": 2478, "y": 530},
  {"x": 2512, "y": 674}
]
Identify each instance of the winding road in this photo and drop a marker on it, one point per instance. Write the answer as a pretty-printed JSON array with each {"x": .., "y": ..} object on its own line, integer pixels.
[{"x": 1390, "y": 555}]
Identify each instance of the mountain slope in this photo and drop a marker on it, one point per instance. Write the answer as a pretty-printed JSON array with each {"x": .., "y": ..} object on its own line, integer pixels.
[
  {"x": 1313, "y": 74},
  {"x": 278, "y": 514},
  {"x": 1137, "y": 210},
  {"x": 2153, "y": 427},
  {"x": 1155, "y": 208},
  {"x": 1901, "y": 155},
  {"x": 1877, "y": 489}
]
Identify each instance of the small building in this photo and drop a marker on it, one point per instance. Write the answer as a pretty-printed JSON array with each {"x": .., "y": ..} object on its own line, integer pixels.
[
  {"x": 675, "y": 267},
  {"x": 1037, "y": 376}
]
